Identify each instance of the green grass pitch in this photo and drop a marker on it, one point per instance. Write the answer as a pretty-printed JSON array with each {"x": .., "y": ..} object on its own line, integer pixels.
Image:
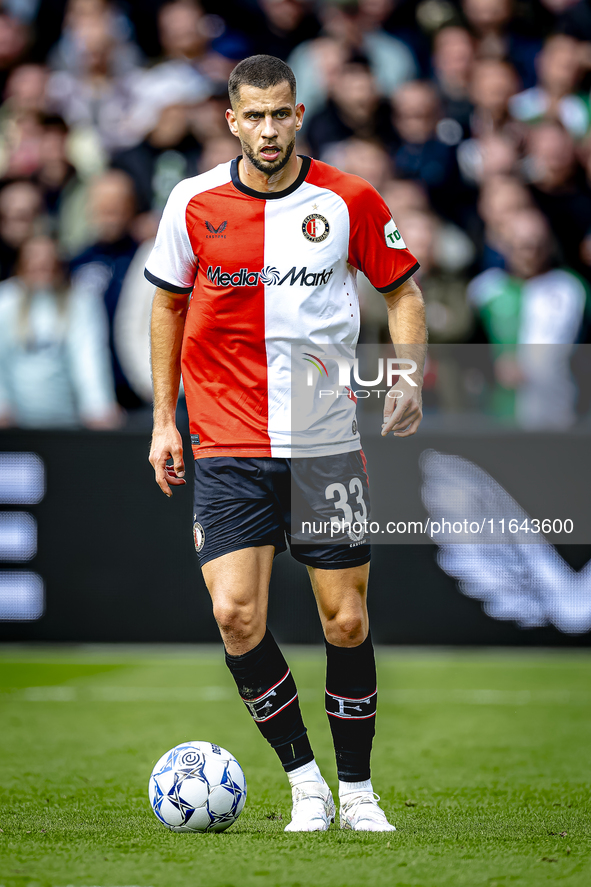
[{"x": 482, "y": 760}]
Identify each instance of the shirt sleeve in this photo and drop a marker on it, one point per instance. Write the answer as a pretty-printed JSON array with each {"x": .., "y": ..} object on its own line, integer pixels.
[
  {"x": 172, "y": 264},
  {"x": 376, "y": 246}
]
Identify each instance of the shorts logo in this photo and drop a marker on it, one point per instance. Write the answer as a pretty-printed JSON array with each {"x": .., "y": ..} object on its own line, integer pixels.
[
  {"x": 315, "y": 228},
  {"x": 393, "y": 236},
  {"x": 198, "y": 536}
]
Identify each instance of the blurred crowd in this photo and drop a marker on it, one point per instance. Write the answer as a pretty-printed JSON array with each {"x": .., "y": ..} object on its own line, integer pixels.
[{"x": 471, "y": 117}]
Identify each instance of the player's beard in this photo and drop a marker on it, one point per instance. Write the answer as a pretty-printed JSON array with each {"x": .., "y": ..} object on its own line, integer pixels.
[{"x": 269, "y": 168}]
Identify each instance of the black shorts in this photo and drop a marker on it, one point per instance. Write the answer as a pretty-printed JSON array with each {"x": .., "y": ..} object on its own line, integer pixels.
[{"x": 242, "y": 502}]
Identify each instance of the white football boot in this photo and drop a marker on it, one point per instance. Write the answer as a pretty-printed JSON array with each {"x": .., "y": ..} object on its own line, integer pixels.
[
  {"x": 313, "y": 807},
  {"x": 360, "y": 812}
]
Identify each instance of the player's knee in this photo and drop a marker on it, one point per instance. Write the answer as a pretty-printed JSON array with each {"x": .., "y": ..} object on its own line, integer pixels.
[
  {"x": 235, "y": 618},
  {"x": 346, "y": 629}
]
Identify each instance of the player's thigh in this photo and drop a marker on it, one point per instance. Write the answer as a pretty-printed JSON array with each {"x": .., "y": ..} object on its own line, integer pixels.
[
  {"x": 341, "y": 595},
  {"x": 238, "y": 583}
]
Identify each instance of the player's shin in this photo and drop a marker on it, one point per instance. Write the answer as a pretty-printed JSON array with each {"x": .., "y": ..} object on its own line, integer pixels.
[
  {"x": 268, "y": 690},
  {"x": 351, "y": 698}
]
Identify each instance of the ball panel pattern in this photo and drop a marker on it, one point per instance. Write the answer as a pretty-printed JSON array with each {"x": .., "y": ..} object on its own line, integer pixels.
[{"x": 197, "y": 787}]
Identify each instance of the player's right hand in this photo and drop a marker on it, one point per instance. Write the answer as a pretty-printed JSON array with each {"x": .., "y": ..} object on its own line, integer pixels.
[{"x": 167, "y": 444}]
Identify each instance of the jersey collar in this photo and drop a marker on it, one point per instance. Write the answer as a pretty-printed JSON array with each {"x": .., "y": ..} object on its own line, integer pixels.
[{"x": 273, "y": 195}]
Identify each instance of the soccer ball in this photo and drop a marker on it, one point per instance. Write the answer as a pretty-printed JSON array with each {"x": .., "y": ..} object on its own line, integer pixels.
[{"x": 197, "y": 787}]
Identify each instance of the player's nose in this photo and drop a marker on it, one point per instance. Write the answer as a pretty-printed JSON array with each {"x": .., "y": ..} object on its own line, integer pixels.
[{"x": 269, "y": 130}]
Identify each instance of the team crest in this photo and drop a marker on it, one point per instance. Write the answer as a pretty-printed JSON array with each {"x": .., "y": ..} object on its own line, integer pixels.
[
  {"x": 198, "y": 536},
  {"x": 315, "y": 228}
]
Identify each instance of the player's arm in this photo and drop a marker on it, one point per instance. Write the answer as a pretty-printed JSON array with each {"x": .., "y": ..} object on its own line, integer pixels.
[
  {"x": 408, "y": 331},
  {"x": 169, "y": 311}
]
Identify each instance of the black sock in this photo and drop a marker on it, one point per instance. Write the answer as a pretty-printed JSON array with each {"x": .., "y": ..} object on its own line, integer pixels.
[
  {"x": 351, "y": 698},
  {"x": 268, "y": 690}
]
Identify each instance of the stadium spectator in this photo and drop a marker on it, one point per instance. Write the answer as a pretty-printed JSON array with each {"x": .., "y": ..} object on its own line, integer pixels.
[
  {"x": 559, "y": 189},
  {"x": 419, "y": 153},
  {"x": 103, "y": 265},
  {"x": 556, "y": 94},
  {"x": 183, "y": 32},
  {"x": 25, "y": 91},
  {"x": 405, "y": 195},
  {"x": 391, "y": 61},
  {"x": 169, "y": 153},
  {"x": 364, "y": 158},
  {"x": 131, "y": 324},
  {"x": 353, "y": 108},
  {"x": 497, "y": 140},
  {"x": 532, "y": 303},
  {"x": 449, "y": 316},
  {"x": 495, "y": 27},
  {"x": 82, "y": 16},
  {"x": 14, "y": 38},
  {"x": 20, "y": 128},
  {"x": 20, "y": 217},
  {"x": 399, "y": 18},
  {"x": 492, "y": 155},
  {"x": 453, "y": 59},
  {"x": 493, "y": 83},
  {"x": 64, "y": 192},
  {"x": 218, "y": 150},
  {"x": 326, "y": 56},
  {"x": 454, "y": 251},
  {"x": 98, "y": 94},
  {"x": 284, "y": 24},
  {"x": 54, "y": 356},
  {"x": 501, "y": 196}
]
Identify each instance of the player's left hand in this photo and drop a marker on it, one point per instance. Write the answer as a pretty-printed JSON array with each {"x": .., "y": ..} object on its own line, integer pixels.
[{"x": 402, "y": 415}]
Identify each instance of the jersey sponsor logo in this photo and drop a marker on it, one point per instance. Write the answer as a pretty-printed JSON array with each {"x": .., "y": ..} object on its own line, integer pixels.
[
  {"x": 393, "y": 236},
  {"x": 269, "y": 275},
  {"x": 216, "y": 232},
  {"x": 305, "y": 278},
  {"x": 315, "y": 228}
]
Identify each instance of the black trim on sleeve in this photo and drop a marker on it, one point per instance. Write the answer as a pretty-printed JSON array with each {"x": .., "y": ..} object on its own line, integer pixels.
[
  {"x": 400, "y": 281},
  {"x": 272, "y": 195},
  {"x": 170, "y": 287}
]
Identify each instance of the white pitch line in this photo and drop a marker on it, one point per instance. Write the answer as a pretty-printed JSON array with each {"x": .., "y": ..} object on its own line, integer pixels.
[{"x": 113, "y": 693}]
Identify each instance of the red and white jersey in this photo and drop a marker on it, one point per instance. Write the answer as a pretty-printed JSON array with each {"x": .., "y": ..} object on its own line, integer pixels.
[{"x": 268, "y": 271}]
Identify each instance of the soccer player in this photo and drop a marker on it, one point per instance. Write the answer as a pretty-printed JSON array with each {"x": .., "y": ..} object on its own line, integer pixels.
[{"x": 267, "y": 248}]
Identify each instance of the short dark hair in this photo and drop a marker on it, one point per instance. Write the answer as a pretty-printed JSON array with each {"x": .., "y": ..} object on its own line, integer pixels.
[{"x": 261, "y": 71}]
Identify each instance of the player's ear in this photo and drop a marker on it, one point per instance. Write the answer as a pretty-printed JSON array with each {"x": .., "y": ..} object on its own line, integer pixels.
[
  {"x": 231, "y": 118},
  {"x": 300, "y": 110}
]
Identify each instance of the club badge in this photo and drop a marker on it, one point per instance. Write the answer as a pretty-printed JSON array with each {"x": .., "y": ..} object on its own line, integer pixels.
[{"x": 315, "y": 228}]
